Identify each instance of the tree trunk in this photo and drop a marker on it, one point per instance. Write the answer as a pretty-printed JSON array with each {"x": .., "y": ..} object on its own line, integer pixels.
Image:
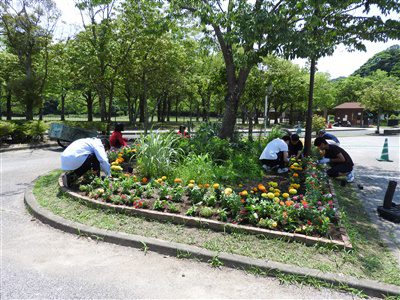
[
  {"x": 110, "y": 101},
  {"x": 169, "y": 102},
  {"x": 41, "y": 114},
  {"x": 250, "y": 137},
  {"x": 379, "y": 121},
  {"x": 63, "y": 96},
  {"x": 89, "y": 104},
  {"x": 8, "y": 109},
  {"x": 307, "y": 142}
]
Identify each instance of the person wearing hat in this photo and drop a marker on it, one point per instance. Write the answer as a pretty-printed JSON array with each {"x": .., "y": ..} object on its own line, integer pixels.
[
  {"x": 83, "y": 155},
  {"x": 329, "y": 137},
  {"x": 116, "y": 139},
  {"x": 339, "y": 160}
]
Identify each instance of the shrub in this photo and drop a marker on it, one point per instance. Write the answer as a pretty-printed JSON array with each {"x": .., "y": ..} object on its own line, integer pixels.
[
  {"x": 394, "y": 117},
  {"x": 318, "y": 123},
  {"x": 35, "y": 130},
  {"x": 276, "y": 132},
  {"x": 6, "y": 129}
]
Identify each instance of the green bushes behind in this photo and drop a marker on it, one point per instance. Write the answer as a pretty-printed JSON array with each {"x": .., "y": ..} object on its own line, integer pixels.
[{"x": 22, "y": 131}]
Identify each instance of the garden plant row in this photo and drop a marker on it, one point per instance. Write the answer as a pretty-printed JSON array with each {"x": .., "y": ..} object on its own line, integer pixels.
[{"x": 297, "y": 206}]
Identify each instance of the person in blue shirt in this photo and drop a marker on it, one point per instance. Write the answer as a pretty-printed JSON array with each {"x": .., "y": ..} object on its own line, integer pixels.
[{"x": 329, "y": 137}]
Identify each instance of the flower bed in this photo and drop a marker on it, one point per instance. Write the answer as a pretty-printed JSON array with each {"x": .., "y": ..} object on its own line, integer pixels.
[{"x": 298, "y": 204}]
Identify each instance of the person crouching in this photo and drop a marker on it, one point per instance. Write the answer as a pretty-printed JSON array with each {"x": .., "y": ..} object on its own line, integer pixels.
[
  {"x": 339, "y": 160},
  {"x": 275, "y": 155}
]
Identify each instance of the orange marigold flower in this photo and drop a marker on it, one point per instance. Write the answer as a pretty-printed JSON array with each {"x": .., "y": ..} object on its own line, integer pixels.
[
  {"x": 285, "y": 214},
  {"x": 295, "y": 175},
  {"x": 206, "y": 185},
  {"x": 261, "y": 187},
  {"x": 242, "y": 200},
  {"x": 281, "y": 203},
  {"x": 145, "y": 180},
  {"x": 304, "y": 202},
  {"x": 288, "y": 202},
  {"x": 177, "y": 180}
]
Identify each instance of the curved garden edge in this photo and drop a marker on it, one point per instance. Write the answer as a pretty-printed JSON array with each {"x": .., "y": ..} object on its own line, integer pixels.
[
  {"x": 210, "y": 224},
  {"x": 369, "y": 287}
]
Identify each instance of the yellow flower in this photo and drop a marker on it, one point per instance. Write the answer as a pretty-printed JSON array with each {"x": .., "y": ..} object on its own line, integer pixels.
[
  {"x": 285, "y": 195},
  {"x": 264, "y": 195},
  {"x": 271, "y": 195},
  {"x": 190, "y": 185},
  {"x": 116, "y": 168},
  {"x": 277, "y": 194},
  {"x": 293, "y": 191},
  {"x": 244, "y": 193},
  {"x": 274, "y": 224},
  {"x": 277, "y": 190},
  {"x": 164, "y": 178},
  {"x": 216, "y": 185},
  {"x": 191, "y": 181},
  {"x": 228, "y": 191},
  {"x": 276, "y": 200},
  {"x": 271, "y": 189}
]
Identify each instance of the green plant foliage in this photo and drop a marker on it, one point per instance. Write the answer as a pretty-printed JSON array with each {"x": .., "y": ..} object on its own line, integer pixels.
[
  {"x": 156, "y": 155},
  {"x": 318, "y": 123},
  {"x": 35, "y": 130},
  {"x": 196, "y": 166},
  {"x": 206, "y": 212},
  {"x": 276, "y": 132},
  {"x": 6, "y": 128}
]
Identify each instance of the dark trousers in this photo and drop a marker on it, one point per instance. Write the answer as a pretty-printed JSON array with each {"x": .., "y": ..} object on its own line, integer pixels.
[
  {"x": 273, "y": 163},
  {"x": 91, "y": 163},
  {"x": 340, "y": 168}
]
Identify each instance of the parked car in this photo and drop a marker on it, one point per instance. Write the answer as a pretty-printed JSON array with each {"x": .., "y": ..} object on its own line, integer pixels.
[{"x": 342, "y": 124}]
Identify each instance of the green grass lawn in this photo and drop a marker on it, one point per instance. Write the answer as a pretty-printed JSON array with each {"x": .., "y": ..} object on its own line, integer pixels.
[{"x": 370, "y": 258}]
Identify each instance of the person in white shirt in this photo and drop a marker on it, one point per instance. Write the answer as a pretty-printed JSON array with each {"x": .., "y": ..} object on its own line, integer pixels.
[
  {"x": 275, "y": 155},
  {"x": 83, "y": 155}
]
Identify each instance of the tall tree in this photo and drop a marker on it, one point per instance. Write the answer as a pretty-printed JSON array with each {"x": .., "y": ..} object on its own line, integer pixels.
[
  {"x": 383, "y": 94},
  {"x": 325, "y": 24},
  {"x": 28, "y": 26},
  {"x": 245, "y": 31}
]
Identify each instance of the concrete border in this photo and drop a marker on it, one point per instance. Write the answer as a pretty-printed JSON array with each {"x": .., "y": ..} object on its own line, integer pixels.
[
  {"x": 369, "y": 287},
  {"x": 17, "y": 147},
  {"x": 207, "y": 223}
]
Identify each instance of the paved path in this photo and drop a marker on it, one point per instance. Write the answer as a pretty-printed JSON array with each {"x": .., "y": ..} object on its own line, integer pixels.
[
  {"x": 374, "y": 175},
  {"x": 38, "y": 261}
]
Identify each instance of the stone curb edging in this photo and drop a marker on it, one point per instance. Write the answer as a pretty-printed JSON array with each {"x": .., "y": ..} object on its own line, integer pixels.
[
  {"x": 28, "y": 146},
  {"x": 207, "y": 223},
  {"x": 370, "y": 287}
]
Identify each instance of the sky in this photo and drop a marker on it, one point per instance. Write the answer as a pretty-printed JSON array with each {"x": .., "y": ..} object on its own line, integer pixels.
[{"x": 341, "y": 63}]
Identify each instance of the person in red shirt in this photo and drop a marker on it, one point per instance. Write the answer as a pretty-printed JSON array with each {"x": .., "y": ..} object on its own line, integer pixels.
[
  {"x": 116, "y": 139},
  {"x": 182, "y": 132}
]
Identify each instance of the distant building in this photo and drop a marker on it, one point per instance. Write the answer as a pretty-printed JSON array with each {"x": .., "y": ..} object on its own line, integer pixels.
[{"x": 352, "y": 112}]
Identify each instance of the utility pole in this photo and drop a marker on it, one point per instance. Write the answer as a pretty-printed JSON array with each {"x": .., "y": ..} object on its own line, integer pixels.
[{"x": 269, "y": 90}]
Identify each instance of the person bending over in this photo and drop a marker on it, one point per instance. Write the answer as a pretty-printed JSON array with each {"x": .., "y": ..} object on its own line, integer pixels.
[
  {"x": 339, "y": 160},
  {"x": 83, "y": 155},
  {"x": 275, "y": 154},
  {"x": 295, "y": 146},
  {"x": 116, "y": 139},
  {"x": 329, "y": 137}
]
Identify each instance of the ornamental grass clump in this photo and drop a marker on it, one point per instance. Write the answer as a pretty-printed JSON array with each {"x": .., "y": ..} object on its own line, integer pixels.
[{"x": 156, "y": 154}]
